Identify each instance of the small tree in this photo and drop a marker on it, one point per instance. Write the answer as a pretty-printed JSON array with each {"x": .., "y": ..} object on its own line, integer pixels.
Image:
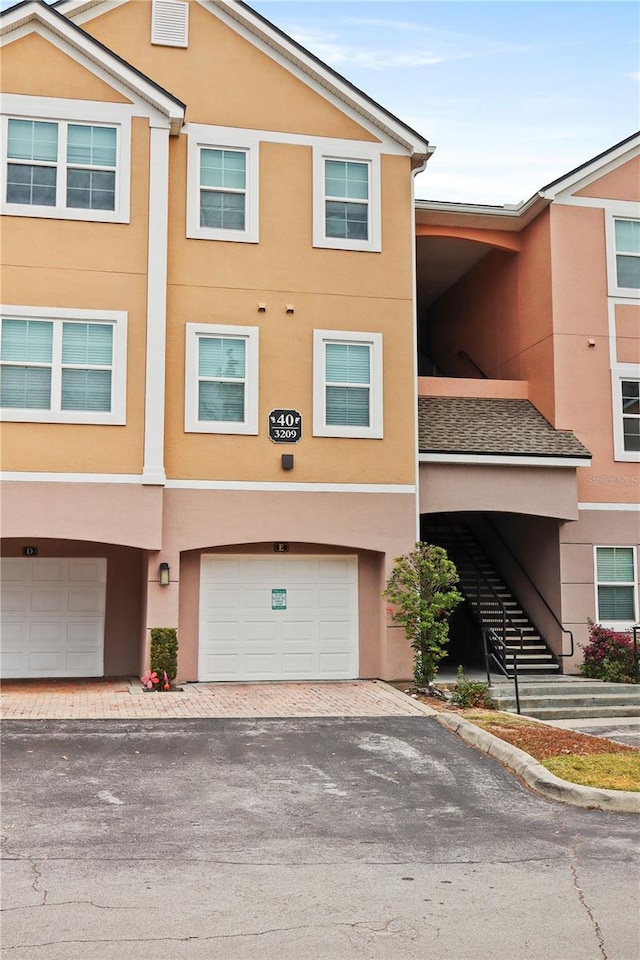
[
  {"x": 422, "y": 594},
  {"x": 164, "y": 659}
]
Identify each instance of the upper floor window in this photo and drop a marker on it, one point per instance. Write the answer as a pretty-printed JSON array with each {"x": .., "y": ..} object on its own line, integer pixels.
[
  {"x": 616, "y": 593},
  {"x": 627, "y": 240},
  {"x": 54, "y": 166},
  {"x": 346, "y": 202},
  {"x": 626, "y": 414},
  {"x": 222, "y": 191},
  {"x": 347, "y": 384},
  {"x": 221, "y": 379},
  {"x": 62, "y": 366}
]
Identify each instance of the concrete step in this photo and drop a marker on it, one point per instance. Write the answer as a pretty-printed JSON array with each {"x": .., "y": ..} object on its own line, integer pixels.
[
  {"x": 566, "y": 686},
  {"x": 578, "y": 713},
  {"x": 597, "y": 700}
]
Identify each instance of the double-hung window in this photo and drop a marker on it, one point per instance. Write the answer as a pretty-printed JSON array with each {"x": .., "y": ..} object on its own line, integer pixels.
[
  {"x": 62, "y": 366},
  {"x": 347, "y": 384},
  {"x": 56, "y": 167},
  {"x": 222, "y": 189},
  {"x": 626, "y": 412},
  {"x": 221, "y": 379},
  {"x": 627, "y": 253},
  {"x": 616, "y": 590},
  {"x": 346, "y": 201}
]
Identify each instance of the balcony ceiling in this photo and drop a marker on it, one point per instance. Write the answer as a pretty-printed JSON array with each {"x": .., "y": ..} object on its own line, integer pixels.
[{"x": 441, "y": 261}]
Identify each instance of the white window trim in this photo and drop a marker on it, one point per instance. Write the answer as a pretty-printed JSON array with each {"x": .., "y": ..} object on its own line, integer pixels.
[
  {"x": 618, "y": 625},
  {"x": 85, "y": 112},
  {"x": 320, "y": 426},
  {"x": 619, "y": 211},
  {"x": 619, "y": 373},
  {"x": 202, "y": 136},
  {"x": 191, "y": 422},
  {"x": 117, "y": 414},
  {"x": 360, "y": 155}
]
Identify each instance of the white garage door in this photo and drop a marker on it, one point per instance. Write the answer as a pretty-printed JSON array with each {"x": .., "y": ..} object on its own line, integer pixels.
[
  {"x": 52, "y": 617},
  {"x": 278, "y": 618}
]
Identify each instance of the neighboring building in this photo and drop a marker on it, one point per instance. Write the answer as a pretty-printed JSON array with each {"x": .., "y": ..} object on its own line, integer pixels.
[
  {"x": 529, "y": 317},
  {"x": 202, "y": 224}
]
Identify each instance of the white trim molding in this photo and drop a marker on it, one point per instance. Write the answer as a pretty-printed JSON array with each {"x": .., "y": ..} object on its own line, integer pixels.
[
  {"x": 620, "y": 625},
  {"x": 375, "y": 429},
  {"x": 481, "y": 459},
  {"x": 201, "y": 137},
  {"x": 117, "y": 319},
  {"x": 622, "y": 211},
  {"x": 250, "y": 337},
  {"x": 356, "y": 153},
  {"x": 630, "y": 373},
  {"x": 618, "y": 507}
]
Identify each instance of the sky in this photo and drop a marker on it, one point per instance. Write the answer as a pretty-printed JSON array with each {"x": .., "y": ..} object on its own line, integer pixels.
[{"x": 513, "y": 93}]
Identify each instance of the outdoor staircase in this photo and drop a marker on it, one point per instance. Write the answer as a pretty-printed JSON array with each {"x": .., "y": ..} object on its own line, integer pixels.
[
  {"x": 492, "y": 603},
  {"x": 568, "y": 698}
]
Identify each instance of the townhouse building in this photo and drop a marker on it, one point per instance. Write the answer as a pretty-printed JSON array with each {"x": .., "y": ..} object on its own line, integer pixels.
[{"x": 208, "y": 347}]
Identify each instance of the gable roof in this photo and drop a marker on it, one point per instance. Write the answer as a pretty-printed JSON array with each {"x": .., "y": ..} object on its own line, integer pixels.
[
  {"x": 38, "y": 16},
  {"x": 295, "y": 57},
  {"x": 594, "y": 168},
  {"x": 490, "y": 427}
]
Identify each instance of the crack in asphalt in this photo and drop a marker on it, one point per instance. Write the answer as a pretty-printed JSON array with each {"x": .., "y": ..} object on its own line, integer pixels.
[{"x": 581, "y": 897}]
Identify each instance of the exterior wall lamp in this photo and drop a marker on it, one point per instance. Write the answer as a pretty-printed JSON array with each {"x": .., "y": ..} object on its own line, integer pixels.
[{"x": 164, "y": 574}]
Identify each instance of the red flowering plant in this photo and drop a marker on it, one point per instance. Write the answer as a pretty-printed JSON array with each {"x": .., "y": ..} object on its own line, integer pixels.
[{"x": 608, "y": 655}]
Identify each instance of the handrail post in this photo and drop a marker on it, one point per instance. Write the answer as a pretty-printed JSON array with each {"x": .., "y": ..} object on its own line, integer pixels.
[
  {"x": 486, "y": 655},
  {"x": 515, "y": 683}
]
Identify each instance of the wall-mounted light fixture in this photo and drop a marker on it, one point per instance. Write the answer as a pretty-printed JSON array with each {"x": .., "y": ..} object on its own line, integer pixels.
[
  {"x": 262, "y": 307},
  {"x": 164, "y": 574},
  {"x": 287, "y": 461},
  {"x": 290, "y": 308}
]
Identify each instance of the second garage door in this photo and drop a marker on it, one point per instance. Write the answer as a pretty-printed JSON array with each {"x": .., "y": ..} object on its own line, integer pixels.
[{"x": 278, "y": 618}]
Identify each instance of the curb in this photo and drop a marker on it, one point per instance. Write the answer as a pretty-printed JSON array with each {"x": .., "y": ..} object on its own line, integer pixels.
[{"x": 535, "y": 775}]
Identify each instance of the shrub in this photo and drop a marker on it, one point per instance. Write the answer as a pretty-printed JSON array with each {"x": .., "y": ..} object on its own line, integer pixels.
[
  {"x": 422, "y": 596},
  {"x": 164, "y": 659},
  {"x": 608, "y": 655},
  {"x": 471, "y": 693}
]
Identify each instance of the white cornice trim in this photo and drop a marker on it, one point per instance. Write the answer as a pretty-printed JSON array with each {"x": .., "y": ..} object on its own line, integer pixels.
[
  {"x": 622, "y": 507},
  {"x": 23, "y": 476},
  {"x": 248, "y": 485},
  {"x": 478, "y": 459}
]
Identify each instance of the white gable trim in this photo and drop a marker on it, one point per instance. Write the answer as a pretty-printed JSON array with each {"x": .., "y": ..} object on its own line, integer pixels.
[
  {"x": 42, "y": 20},
  {"x": 563, "y": 191},
  {"x": 375, "y": 119}
]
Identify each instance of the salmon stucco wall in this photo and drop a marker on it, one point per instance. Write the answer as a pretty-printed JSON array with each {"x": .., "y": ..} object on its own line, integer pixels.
[{"x": 620, "y": 184}]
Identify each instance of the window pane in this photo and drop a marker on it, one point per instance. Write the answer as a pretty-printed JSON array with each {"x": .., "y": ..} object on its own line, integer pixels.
[
  {"x": 32, "y": 140},
  {"x": 225, "y": 211},
  {"x": 615, "y": 564},
  {"x": 631, "y": 434},
  {"x": 631, "y": 396},
  {"x": 346, "y": 179},
  {"x": 223, "y": 168},
  {"x": 615, "y": 603},
  {"x": 86, "y": 390},
  {"x": 347, "y": 363},
  {"x": 222, "y": 357},
  {"x": 25, "y": 387},
  {"x": 348, "y": 221},
  {"x": 29, "y": 340},
  {"x": 628, "y": 269},
  {"x": 628, "y": 236},
  {"x": 95, "y": 146},
  {"x": 221, "y": 401},
  {"x": 91, "y": 189},
  {"x": 87, "y": 343},
  {"x": 33, "y": 185},
  {"x": 348, "y": 406}
]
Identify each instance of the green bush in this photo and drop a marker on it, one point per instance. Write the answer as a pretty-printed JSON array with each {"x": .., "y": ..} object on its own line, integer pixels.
[
  {"x": 164, "y": 652},
  {"x": 471, "y": 693},
  {"x": 422, "y": 596},
  {"x": 608, "y": 655}
]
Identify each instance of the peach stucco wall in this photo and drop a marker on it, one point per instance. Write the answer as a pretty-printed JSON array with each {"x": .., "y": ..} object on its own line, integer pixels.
[
  {"x": 222, "y": 77},
  {"x": 539, "y": 491},
  {"x": 583, "y": 393},
  {"x": 620, "y": 184}
]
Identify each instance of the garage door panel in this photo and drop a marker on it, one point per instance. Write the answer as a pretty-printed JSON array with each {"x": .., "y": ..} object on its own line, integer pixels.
[
  {"x": 53, "y": 617},
  {"x": 314, "y": 635}
]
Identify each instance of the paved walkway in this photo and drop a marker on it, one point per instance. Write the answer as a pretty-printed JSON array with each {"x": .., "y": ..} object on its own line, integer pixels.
[{"x": 126, "y": 700}]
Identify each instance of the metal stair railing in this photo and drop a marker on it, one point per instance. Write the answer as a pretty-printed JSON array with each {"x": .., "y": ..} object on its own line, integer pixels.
[
  {"x": 496, "y": 651},
  {"x": 564, "y": 629},
  {"x": 497, "y": 618}
]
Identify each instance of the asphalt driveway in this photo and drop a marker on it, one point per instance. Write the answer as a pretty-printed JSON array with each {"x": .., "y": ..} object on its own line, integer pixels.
[{"x": 298, "y": 839}]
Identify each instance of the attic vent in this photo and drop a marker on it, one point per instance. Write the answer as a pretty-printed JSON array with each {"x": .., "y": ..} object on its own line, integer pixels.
[{"x": 170, "y": 23}]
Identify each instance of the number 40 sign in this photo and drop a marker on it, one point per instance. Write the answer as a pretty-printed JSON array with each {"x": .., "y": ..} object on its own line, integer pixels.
[{"x": 285, "y": 426}]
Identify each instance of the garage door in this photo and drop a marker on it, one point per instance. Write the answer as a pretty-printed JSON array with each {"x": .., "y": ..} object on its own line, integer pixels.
[
  {"x": 278, "y": 618},
  {"x": 53, "y": 617}
]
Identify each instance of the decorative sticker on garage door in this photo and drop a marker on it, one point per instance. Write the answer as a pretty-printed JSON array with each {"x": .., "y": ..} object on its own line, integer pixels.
[{"x": 278, "y": 599}]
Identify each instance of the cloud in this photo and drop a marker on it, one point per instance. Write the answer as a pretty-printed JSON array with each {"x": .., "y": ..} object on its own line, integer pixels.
[
  {"x": 328, "y": 47},
  {"x": 634, "y": 76}
]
